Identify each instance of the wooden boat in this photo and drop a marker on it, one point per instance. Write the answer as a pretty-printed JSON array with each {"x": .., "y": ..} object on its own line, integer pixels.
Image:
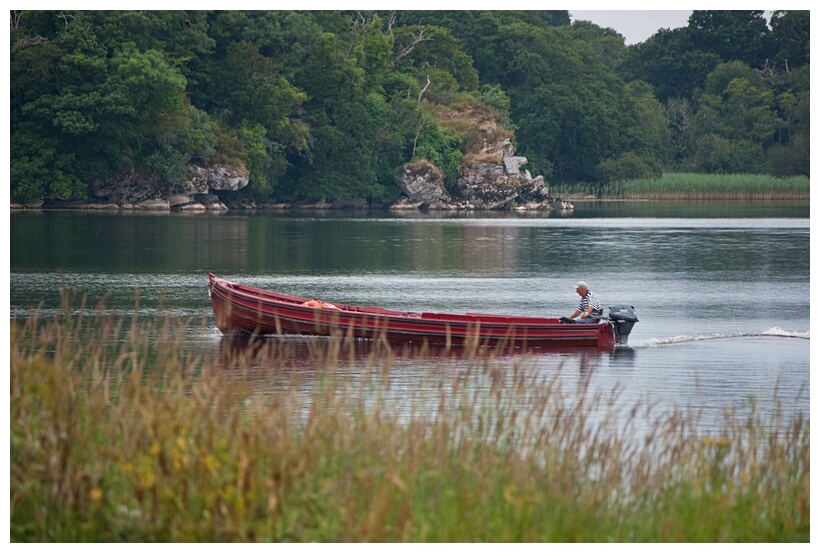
[{"x": 241, "y": 308}]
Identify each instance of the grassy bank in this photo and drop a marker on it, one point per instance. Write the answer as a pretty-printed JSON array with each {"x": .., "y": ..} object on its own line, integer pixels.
[
  {"x": 121, "y": 431},
  {"x": 697, "y": 186},
  {"x": 693, "y": 186}
]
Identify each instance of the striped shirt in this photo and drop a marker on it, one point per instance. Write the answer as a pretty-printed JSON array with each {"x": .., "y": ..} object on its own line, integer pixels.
[{"x": 590, "y": 299}]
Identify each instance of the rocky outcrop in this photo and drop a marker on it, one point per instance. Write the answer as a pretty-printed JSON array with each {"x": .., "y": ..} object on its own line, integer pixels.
[
  {"x": 491, "y": 179},
  {"x": 422, "y": 184},
  {"x": 140, "y": 192},
  {"x": 155, "y": 204},
  {"x": 36, "y": 204},
  {"x": 201, "y": 180}
]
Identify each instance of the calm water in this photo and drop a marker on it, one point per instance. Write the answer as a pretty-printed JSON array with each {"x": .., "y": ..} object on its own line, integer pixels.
[{"x": 721, "y": 290}]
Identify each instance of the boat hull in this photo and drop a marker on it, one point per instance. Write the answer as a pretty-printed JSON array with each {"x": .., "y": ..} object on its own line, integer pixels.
[{"x": 240, "y": 308}]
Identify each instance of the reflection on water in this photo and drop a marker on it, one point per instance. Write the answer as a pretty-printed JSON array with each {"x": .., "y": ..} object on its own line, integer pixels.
[{"x": 415, "y": 378}]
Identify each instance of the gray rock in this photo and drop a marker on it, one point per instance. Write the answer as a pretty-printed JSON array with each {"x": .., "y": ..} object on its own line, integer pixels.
[
  {"x": 201, "y": 180},
  {"x": 512, "y": 165},
  {"x": 422, "y": 182},
  {"x": 178, "y": 199},
  {"x": 190, "y": 206},
  {"x": 490, "y": 180},
  {"x": 155, "y": 204},
  {"x": 406, "y": 204},
  {"x": 36, "y": 204}
]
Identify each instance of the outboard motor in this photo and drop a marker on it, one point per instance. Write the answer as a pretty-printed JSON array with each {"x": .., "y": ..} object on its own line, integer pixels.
[{"x": 623, "y": 319}]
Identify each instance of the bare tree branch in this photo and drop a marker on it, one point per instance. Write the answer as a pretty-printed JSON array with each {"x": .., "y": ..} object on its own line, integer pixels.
[
  {"x": 407, "y": 50},
  {"x": 27, "y": 41},
  {"x": 425, "y": 88},
  {"x": 391, "y": 22},
  {"x": 416, "y": 139},
  {"x": 16, "y": 19},
  {"x": 18, "y": 44},
  {"x": 678, "y": 116},
  {"x": 65, "y": 18}
]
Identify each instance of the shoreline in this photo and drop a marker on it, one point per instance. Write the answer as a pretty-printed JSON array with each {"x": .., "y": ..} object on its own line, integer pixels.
[{"x": 320, "y": 206}]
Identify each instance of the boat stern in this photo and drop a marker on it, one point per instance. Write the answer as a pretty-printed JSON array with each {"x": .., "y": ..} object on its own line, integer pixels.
[{"x": 623, "y": 318}]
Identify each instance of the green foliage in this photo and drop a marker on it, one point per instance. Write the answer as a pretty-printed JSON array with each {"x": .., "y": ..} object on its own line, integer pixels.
[
  {"x": 41, "y": 169},
  {"x": 648, "y": 135},
  {"x": 702, "y": 186},
  {"x": 669, "y": 62},
  {"x": 152, "y": 86},
  {"x": 327, "y": 104},
  {"x": 495, "y": 97},
  {"x": 626, "y": 167},
  {"x": 434, "y": 50},
  {"x": 790, "y": 34},
  {"x": 716, "y": 154},
  {"x": 257, "y": 150},
  {"x": 437, "y": 147},
  {"x": 197, "y": 137},
  {"x": 732, "y": 35},
  {"x": 165, "y": 163},
  {"x": 792, "y": 156}
]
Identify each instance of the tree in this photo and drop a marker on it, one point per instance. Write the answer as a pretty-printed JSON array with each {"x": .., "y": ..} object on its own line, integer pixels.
[
  {"x": 254, "y": 96},
  {"x": 606, "y": 44},
  {"x": 430, "y": 48},
  {"x": 735, "y": 121},
  {"x": 153, "y": 111},
  {"x": 342, "y": 129},
  {"x": 715, "y": 154},
  {"x": 680, "y": 115},
  {"x": 40, "y": 169},
  {"x": 328, "y": 104},
  {"x": 741, "y": 109},
  {"x": 479, "y": 30},
  {"x": 718, "y": 80},
  {"x": 648, "y": 135},
  {"x": 571, "y": 110},
  {"x": 669, "y": 61},
  {"x": 732, "y": 35},
  {"x": 791, "y": 155},
  {"x": 790, "y": 34},
  {"x": 60, "y": 104}
]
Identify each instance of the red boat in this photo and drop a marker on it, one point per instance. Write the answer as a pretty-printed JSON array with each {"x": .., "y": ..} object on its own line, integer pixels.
[{"x": 240, "y": 308}]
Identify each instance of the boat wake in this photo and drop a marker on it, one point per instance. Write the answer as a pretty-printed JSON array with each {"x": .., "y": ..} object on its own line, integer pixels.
[{"x": 774, "y": 331}]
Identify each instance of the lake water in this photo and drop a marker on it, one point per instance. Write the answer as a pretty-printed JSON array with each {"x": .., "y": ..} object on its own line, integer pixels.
[{"x": 721, "y": 289}]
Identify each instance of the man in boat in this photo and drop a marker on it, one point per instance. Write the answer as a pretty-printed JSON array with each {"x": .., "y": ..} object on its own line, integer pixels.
[{"x": 589, "y": 308}]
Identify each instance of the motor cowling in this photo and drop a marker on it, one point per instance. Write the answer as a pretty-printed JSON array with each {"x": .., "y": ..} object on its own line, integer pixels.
[{"x": 623, "y": 318}]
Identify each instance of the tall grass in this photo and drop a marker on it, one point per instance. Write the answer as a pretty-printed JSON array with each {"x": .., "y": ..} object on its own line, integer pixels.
[
  {"x": 693, "y": 186},
  {"x": 121, "y": 431},
  {"x": 696, "y": 186}
]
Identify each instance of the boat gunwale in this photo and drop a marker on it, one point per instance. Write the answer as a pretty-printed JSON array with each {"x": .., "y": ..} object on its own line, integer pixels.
[{"x": 486, "y": 320}]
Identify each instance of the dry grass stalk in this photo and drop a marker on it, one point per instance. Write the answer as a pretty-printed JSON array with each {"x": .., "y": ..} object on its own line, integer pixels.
[{"x": 121, "y": 431}]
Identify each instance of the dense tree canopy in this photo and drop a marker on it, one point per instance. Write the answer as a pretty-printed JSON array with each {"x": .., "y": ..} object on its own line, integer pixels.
[{"x": 328, "y": 105}]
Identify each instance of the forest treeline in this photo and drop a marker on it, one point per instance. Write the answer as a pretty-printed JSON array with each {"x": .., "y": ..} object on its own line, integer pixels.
[{"x": 321, "y": 105}]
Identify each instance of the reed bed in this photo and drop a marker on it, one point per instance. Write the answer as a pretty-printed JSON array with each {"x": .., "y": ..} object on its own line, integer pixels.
[
  {"x": 697, "y": 186},
  {"x": 121, "y": 431}
]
